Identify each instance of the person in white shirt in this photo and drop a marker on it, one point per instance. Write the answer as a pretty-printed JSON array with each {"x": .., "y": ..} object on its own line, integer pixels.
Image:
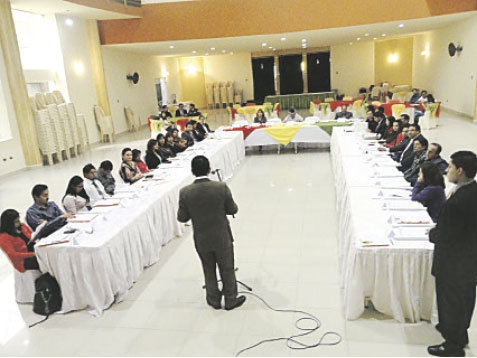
[
  {"x": 293, "y": 116},
  {"x": 76, "y": 200},
  {"x": 92, "y": 185}
]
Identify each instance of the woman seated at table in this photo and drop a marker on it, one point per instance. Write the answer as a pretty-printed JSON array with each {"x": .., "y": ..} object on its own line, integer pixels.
[
  {"x": 171, "y": 127},
  {"x": 14, "y": 241},
  {"x": 388, "y": 123},
  {"x": 163, "y": 117},
  {"x": 153, "y": 159},
  {"x": 172, "y": 145},
  {"x": 420, "y": 145},
  {"x": 178, "y": 141},
  {"x": 136, "y": 154},
  {"x": 395, "y": 136},
  {"x": 76, "y": 200},
  {"x": 260, "y": 117},
  {"x": 164, "y": 151},
  {"x": 429, "y": 189},
  {"x": 129, "y": 171}
]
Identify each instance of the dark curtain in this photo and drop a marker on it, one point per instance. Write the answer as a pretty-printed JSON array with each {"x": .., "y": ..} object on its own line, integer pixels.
[
  {"x": 263, "y": 79},
  {"x": 291, "y": 75},
  {"x": 318, "y": 65}
]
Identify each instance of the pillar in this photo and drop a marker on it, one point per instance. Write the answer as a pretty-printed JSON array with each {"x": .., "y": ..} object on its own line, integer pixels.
[
  {"x": 276, "y": 72},
  {"x": 305, "y": 72}
]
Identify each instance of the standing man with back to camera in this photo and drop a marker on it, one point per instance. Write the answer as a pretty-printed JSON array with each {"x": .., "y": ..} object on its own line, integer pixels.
[
  {"x": 455, "y": 257},
  {"x": 208, "y": 203}
]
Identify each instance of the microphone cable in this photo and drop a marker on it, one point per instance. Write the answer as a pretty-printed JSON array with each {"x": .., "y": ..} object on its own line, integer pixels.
[{"x": 291, "y": 341}]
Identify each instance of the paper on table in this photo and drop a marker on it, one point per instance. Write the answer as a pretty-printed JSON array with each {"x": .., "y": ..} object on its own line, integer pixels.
[
  {"x": 101, "y": 209},
  {"x": 124, "y": 195},
  {"x": 107, "y": 202},
  {"x": 411, "y": 218},
  {"x": 409, "y": 233},
  {"x": 83, "y": 218},
  {"x": 373, "y": 239},
  {"x": 402, "y": 205}
]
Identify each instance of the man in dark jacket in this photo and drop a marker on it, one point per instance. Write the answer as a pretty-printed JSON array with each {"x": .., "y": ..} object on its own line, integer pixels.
[
  {"x": 434, "y": 156},
  {"x": 208, "y": 203},
  {"x": 181, "y": 111},
  {"x": 407, "y": 156},
  {"x": 187, "y": 135},
  {"x": 455, "y": 257}
]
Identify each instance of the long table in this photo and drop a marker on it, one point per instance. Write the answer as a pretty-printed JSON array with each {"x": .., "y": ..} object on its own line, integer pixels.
[
  {"x": 377, "y": 262},
  {"x": 299, "y": 101},
  {"x": 100, "y": 262}
]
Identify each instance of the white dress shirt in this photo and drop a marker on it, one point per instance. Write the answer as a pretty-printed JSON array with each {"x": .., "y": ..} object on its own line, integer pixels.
[
  {"x": 74, "y": 204},
  {"x": 94, "y": 190},
  {"x": 297, "y": 118}
]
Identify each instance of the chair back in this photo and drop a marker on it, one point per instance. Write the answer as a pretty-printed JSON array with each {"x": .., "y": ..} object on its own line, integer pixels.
[
  {"x": 329, "y": 99},
  {"x": 40, "y": 100},
  {"x": 312, "y": 107},
  {"x": 432, "y": 108},
  {"x": 51, "y": 98},
  {"x": 376, "y": 103},
  {"x": 277, "y": 108},
  {"x": 59, "y": 97},
  {"x": 397, "y": 109},
  {"x": 325, "y": 107},
  {"x": 347, "y": 98}
]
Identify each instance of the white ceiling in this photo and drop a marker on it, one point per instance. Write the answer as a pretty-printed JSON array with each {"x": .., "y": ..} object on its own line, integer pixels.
[
  {"x": 315, "y": 38},
  {"x": 46, "y": 7}
]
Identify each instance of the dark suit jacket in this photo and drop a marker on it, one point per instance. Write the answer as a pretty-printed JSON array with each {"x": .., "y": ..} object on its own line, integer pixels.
[
  {"x": 455, "y": 236},
  {"x": 346, "y": 115},
  {"x": 381, "y": 128},
  {"x": 188, "y": 137},
  {"x": 408, "y": 155},
  {"x": 208, "y": 203},
  {"x": 401, "y": 146},
  {"x": 201, "y": 129},
  {"x": 193, "y": 113},
  {"x": 152, "y": 160},
  {"x": 179, "y": 114}
]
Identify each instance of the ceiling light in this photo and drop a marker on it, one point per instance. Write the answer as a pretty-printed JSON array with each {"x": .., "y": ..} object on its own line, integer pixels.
[
  {"x": 303, "y": 40},
  {"x": 207, "y": 54},
  {"x": 264, "y": 44},
  {"x": 283, "y": 38},
  {"x": 274, "y": 49},
  {"x": 171, "y": 46},
  {"x": 383, "y": 35},
  {"x": 231, "y": 52},
  {"x": 212, "y": 49},
  {"x": 194, "y": 51},
  {"x": 401, "y": 25},
  {"x": 223, "y": 51},
  {"x": 366, "y": 34},
  {"x": 375, "y": 38},
  {"x": 69, "y": 22},
  {"x": 270, "y": 47},
  {"x": 359, "y": 38},
  {"x": 350, "y": 43}
]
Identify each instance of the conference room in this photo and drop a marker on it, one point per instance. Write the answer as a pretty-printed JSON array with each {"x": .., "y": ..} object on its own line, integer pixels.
[{"x": 327, "y": 148}]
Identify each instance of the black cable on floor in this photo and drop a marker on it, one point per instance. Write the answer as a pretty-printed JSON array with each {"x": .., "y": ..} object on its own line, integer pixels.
[{"x": 291, "y": 339}]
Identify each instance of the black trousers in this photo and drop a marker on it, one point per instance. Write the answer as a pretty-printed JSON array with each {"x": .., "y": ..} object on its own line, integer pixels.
[
  {"x": 31, "y": 263},
  {"x": 224, "y": 259},
  {"x": 455, "y": 305}
]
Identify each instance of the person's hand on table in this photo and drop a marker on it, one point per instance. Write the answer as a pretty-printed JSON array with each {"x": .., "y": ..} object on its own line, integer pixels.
[
  {"x": 67, "y": 216},
  {"x": 381, "y": 149}
]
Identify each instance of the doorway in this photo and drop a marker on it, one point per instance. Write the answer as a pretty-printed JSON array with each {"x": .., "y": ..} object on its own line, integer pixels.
[
  {"x": 291, "y": 75},
  {"x": 162, "y": 92},
  {"x": 318, "y": 65},
  {"x": 263, "y": 78}
]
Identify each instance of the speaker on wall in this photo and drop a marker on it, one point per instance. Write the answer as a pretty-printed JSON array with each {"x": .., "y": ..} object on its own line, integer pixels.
[
  {"x": 453, "y": 49},
  {"x": 134, "y": 78}
]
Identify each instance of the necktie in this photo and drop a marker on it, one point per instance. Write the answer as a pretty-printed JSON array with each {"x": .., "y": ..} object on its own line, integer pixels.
[{"x": 98, "y": 190}]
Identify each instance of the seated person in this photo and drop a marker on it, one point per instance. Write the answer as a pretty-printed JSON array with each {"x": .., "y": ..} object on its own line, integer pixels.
[
  {"x": 399, "y": 148},
  {"x": 370, "y": 108},
  {"x": 369, "y": 118},
  {"x": 179, "y": 143},
  {"x": 165, "y": 110},
  {"x": 188, "y": 135},
  {"x": 380, "y": 109},
  {"x": 434, "y": 156},
  {"x": 393, "y": 137},
  {"x": 198, "y": 136},
  {"x": 164, "y": 151},
  {"x": 171, "y": 144},
  {"x": 407, "y": 155},
  {"x": 163, "y": 116},
  {"x": 129, "y": 171},
  {"x": 45, "y": 211},
  {"x": 76, "y": 200},
  {"x": 404, "y": 119},
  {"x": 420, "y": 148},
  {"x": 136, "y": 153},
  {"x": 105, "y": 177},
  {"x": 153, "y": 159},
  {"x": 15, "y": 242},
  {"x": 343, "y": 113},
  {"x": 415, "y": 95},
  {"x": 92, "y": 185},
  {"x": 429, "y": 189},
  {"x": 425, "y": 99},
  {"x": 380, "y": 120},
  {"x": 203, "y": 127},
  {"x": 388, "y": 124},
  {"x": 260, "y": 117},
  {"x": 293, "y": 116},
  {"x": 181, "y": 111},
  {"x": 171, "y": 127},
  {"x": 193, "y": 112}
]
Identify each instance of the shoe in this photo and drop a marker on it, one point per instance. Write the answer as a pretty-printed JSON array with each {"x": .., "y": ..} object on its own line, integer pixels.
[
  {"x": 216, "y": 306},
  {"x": 441, "y": 351},
  {"x": 239, "y": 302}
]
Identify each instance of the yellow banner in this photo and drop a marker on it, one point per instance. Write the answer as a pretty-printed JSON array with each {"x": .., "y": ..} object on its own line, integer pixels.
[{"x": 283, "y": 133}]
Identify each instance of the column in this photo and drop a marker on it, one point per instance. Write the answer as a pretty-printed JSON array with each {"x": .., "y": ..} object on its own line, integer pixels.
[
  {"x": 276, "y": 72},
  {"x": 305, "y": 72},
  {"x": 17, "y": 85}
]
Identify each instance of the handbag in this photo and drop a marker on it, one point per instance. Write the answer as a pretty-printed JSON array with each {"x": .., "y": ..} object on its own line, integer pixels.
[{"x": 48, "y": 299}]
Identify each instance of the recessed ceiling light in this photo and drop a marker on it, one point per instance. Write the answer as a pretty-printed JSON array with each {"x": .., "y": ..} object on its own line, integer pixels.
[
  {"x": 283, "y": 38},
  {"x": 231, "y": 52},
  {"x": 171, "y": 46},
  {"x": 212, "y": 48},
  {"x": 194, "y": 51},
  {"x": 69, "y": 22},
  {"x": 401, "y": 25},
  {"x": 350, "y": 43},
  {"x": 375, "y": 38},
  {"x": 264, "y": 44},
  {"x": 223, "y": 51},
  {"x": 303, "y": 40},
  {"x": 270, "y": 47},
  {"x": 274, "y": 49},
  {"x": 366, "y": 34},
  {"x": 383, "y": 35},
  {"x": 359, "y": 38}
]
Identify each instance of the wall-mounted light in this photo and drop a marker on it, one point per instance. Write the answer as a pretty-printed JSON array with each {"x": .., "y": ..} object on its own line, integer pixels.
[
  {"x": 191, "y": 70},
  {"x": 78, "y": 67},
  {"x": 425, "y": 52},
  {"x": 69, "y": 22},
  {"x": 302, "y": 66},
  {"x": 393, "y": 58}
]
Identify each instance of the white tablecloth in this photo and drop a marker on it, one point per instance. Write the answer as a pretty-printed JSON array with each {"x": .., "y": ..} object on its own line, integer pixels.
[
  {"x": 396, "y": 278},
  {"x": 94, "y": 270},
  {"x": 310, "y": 135}
]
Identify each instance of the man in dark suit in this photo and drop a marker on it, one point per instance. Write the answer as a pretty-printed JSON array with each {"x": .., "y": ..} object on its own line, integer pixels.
[
  {"x": 208, "y": 203},
  {"x": 407, "y": 156},
  {"x": 187, "y": 135},
  {"x": 165, "y": 109},
  {"x": 202, "y": 127},
  {"x": 181, "y": 111},
  {"x": 455, "y": 257},
  {"x": 193, "y": 112},
  {"x": 380, "y": 119},
  {"x": 343, "y": 113}
]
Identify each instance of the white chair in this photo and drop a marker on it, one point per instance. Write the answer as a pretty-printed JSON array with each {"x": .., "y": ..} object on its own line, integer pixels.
[
  {"x": 46, "y": 135},
  {"x": 60, "y": 134},
  {"x": 71, "y": 133},
  {"x": 59, "y": 97},
  {"x": 105, "y": 124},
  {"x": 25, "y": 285},
  {"x": 134, "y": 122}
]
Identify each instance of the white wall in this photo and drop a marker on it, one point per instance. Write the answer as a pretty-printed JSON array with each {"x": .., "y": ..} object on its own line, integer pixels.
[
  {"x": 236, "y": 67},
  {"x": 352, "y": 67},
  {"x": 76, "y": 56},
  {"x": 450, "y": 79},
  {"x": 10, "y": 144},
  {"x": 140, "y": 97}
]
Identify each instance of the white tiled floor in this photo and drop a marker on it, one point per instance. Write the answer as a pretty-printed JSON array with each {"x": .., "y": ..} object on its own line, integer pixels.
[{"x": 285, "y": 239}]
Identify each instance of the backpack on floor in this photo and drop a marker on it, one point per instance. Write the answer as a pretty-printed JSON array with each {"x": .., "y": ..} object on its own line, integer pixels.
[{"x": 47, "y": 298}]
